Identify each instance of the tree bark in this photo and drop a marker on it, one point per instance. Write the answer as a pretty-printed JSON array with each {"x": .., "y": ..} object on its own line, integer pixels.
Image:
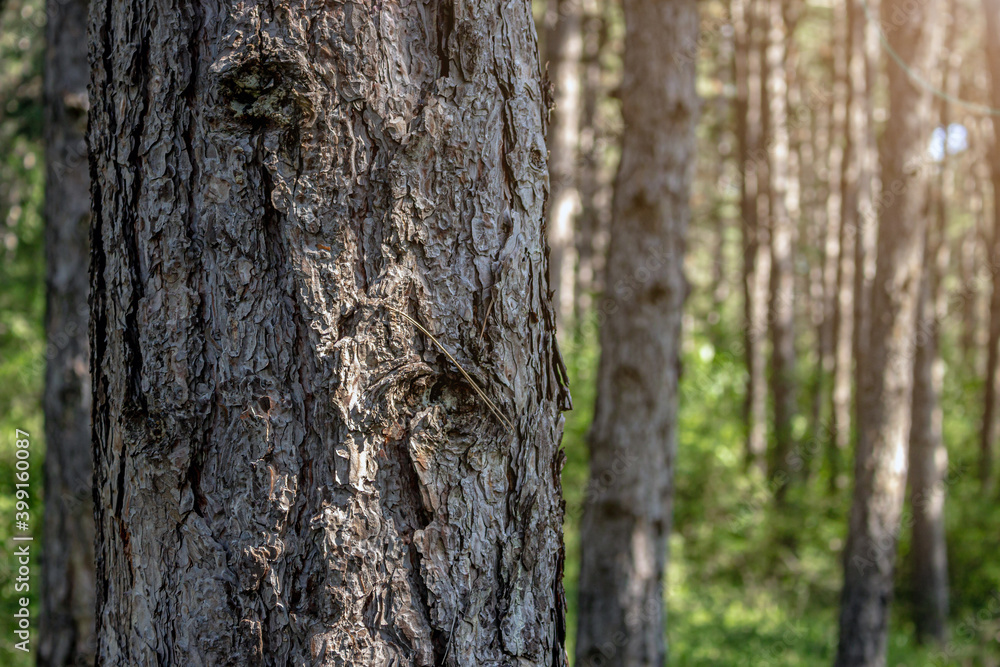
[
  {"x": 887, "y": 371},
  {"x": 988, "y": 432},
  {"x": 290, "y": 469},
  {"x": 625, "y": 529},
  {"x": 782, "y": 200},
  {"x": 66, "y": 618},
  {"x": 564, "y": 43}
]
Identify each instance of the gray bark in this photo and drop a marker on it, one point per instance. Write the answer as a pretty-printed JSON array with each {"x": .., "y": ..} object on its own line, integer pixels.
[
  {"x": 887, "y": 371},
  {"x": 66, "y": 618},
  {"x": 564, "y": 43},
  {"x": 625, "y": 527},
  {"x": 290, "y": 470}
]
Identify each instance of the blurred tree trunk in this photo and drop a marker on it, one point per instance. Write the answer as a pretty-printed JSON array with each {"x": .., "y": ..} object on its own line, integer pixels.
[
  {"x": 66, "y": 618},
  {"x": 859, "y": 208},
  {"x": 756, "y": 256},
  {"x": 564, "y": 44},
  {"x": 887, "y": 370},
  {"x": 988, "y": 433},
  {"x": 839, "y": 251},
  {"x": 290, "y": 470},
  {"x": 856, "y": 190},
  {"x": 928, "y": 457},
  {"x": 591, "y": 174},
  {"x": 928, "y": 454},
  {"x": 625, "y": 527},
  {"x": 782, "y": 200}
]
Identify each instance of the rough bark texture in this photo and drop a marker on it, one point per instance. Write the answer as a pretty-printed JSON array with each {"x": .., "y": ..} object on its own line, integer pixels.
[
  {"x": 782, "y": 199},
  {"x": 564, "y": 43},
  {"x": 887, "y": 371},
  {"x": 289, "y": 470},
  {"x": 624, "y": 530},
  {"x": 756, "y": 255},
  {"x": 988, "y": 432},
  {"x": 66, "y": 623}
]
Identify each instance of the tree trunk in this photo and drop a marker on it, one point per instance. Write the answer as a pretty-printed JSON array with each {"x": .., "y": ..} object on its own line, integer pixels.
[
  {"x": 859, "y": 206},
  {"x": 988, "y": 432},
  {"x": 928, "y": 454},
  {"x": 887, "y": 372},
  {"x": 781, "y": 309},
  {"x": 564, "y": 43},
  {"x": 66, "y": 619},
  {"x": 625, "y": 529},
  {"x": 290, "y": 469},
  {"x": 856, "y": 191},
  {"x": 839, "y": 256},
  {"x": 756, "y": 257},
  {"x": 591, "y": 152}
]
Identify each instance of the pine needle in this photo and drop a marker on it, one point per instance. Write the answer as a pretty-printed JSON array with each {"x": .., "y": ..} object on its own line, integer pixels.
[{"x": 482, "y": 394}]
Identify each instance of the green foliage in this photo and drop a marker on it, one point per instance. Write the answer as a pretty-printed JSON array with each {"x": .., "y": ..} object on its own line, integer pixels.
[{"x": 22, "y": 298}]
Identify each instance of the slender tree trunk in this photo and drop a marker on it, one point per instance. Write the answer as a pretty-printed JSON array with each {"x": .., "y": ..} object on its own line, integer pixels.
[
  {"x": 625, "y": 529},
  {"x": 782, "y": 200},
  {"x": 746, "y": 72},
  {"x": 928, "y": 454},
  {"x": 856, "y": 189},
  {"x": 67, "y": 602},
  {"x": 839, "y": 257},
  {"x": 591, "y": 152},
  {"x": 564, "y": 44},
  {"x": 887, "y": 371},
  {"x": 859, "y": 202},
  {"x": 290, "y": 469},
  {"x": 988, "y": 433},
  {"x": 928, "y": 457}
]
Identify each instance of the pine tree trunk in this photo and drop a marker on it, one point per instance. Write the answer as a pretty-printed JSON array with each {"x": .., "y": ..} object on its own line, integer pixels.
[
  {"x": 887, "y": 371},
  {"x": 625, "y": 527},
  {"x": 988, "y": 433},
  {"x": 781, "y": 307},
  {"x": 564, "y": 43},
  {"x": 928, "y": 457},
  {"x": 290, "y": 469},
  {"x": 66, "y": 623},
  {"x": 839, "y": 278},
  {"x": 856, "y": 189},
  {"x": 859, "y": 200},
  {"x": 756, "y": 257},
  {"x": 590, "y": 159}
]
